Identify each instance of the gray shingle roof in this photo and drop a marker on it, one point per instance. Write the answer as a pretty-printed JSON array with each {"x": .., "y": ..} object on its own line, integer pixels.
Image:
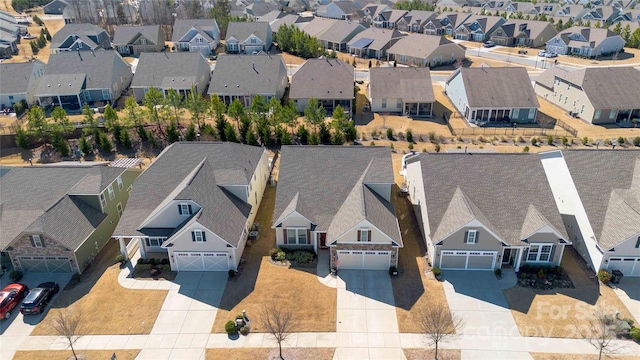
[
  {"x": 98, "y": 66},
  {"x": 328, "y": 186},
  {"x": 196, "y": 167},
  {"x": 604, "y": 182},
  {"x": 32, "y": 192},
  {"x": 341, "y": 31},
  {"x": 81, "y": 30},
  {"x": 15, "y": 77},
  {"x": 381, "y": 37},
  {"x": 323, "y": 79},
  {"x": 241, "y": 74},
  {"x": 60, "y": 84},
  {"x": 126, "y": 34},
  {"x": 166, "y": 70},
  {"x": 408, "y": 84},
  {"x": 181, "y": 27},
  {"x": 497, "y": 189},
  {"x": 507, "y": 87},
  {"x": 419, "y": 45},
  {"x": 241, "y": 30}
]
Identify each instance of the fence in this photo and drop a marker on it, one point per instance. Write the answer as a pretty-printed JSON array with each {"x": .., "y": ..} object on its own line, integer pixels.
[
  {"x": 489, "y": 131},
  {"x": 13, "y": 126},
  {"x": 567, "y": 127}
]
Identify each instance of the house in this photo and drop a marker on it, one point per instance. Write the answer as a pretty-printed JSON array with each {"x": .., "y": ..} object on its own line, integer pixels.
[
  {"x": 341, "y": 10},
  {"x": 388, "y": 19},
  {"x": 244, "y": 77},
  {"x": 489, "y": 94},
  {"x": 55, "y": 7},
  {"x": 8, "y": 45},
  {"x": 425, "y": 50},
  {"x": 523, "y": 33},
  {"x": 601, "y": 217},
  {"x": 328, "y": 80},
  {"x": 257, "y": 10},
  {"x": 74, "y": 78},
  {"x": 597, "y": 95},
  {"x": 401, "y": 90},
  {"x": 89, "y": 11},
  {"x": 19, "y": 82},
  {"x": 478, "y": 28},
  {"x": 486, "y": 211},
  {"x": 82, "y": 37},
  {"x": 337, "y": 36},
  {"x": 371, "y": 10},
  {"x": 179, "y": 71},
  {"x": 196, "y": 35},
  {"x": 600, "y": 13},
  {"x": 373, "y": 43},
  {"x": 133, "y": 40},
  {"x": 445, "y": 23},
  {"x": 585, "y": 41},
  {"x": 248, "y": 37},
  {"x": 56, "y": 219},
  {"x": 195, "y": 205},
  {"x": 415, "y": 20},
  {"x": 338, "y": 198},
  {"x": 295, "y": 6},
  {"x": 316, "y": 26}
]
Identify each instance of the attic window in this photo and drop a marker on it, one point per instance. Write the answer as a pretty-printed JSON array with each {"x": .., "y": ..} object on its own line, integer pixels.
[
  {"x": 37, "y": 241},
  {"x": 472, "y": 237},
  {"x": 184, "y": 209}
]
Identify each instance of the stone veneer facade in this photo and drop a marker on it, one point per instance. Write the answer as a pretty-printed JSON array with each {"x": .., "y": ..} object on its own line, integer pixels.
[
  {"x": 23, "y": 247},
  {"x": 364, "y": 247}
]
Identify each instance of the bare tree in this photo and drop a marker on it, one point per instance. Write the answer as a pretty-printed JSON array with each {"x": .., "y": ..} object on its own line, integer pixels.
[
  {"x": 278, "y": 322},
  {"x": 601, "y": 330},
  {"x": 438, "y": 323},
  {"x": 68, "y": 323}
]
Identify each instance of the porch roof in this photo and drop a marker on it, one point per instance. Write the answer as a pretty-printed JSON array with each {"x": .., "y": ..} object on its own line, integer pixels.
[{"x": 60, "y": 84}]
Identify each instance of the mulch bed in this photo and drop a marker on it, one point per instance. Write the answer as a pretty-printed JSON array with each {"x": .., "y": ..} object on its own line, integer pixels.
[{"x": 550, "y": 279}]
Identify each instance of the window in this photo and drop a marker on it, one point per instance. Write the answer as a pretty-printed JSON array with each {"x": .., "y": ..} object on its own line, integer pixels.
[
  {"x": 37, "y": 241},
  {"x": 638, "y": 243},
  {"x": 198, "y": 236},
  {"x": 111, "y": 193},
  {"x": 516, "y": 113},
  {"x": 103, "y": 201},
  {"x": 296, "y": 236},
  {"x": 119, "y": 181},
  {"x": 539, "y": 253},
  {"x": 253, "y": 40},
  {"x": 143, "y": 41},
  {"x": 532, "y": 113},
  {"x": 596, "y": 115},
  {"x": 106, "y": 95},
  {"x": 155, "y": 241},
  {"x": 87, "y": 95},
  {"x": 364, "y": 235},
  {"x": 612, "y": 114},
  {"x": 384, "y": 103},
  {"x": 184, "y": 209},
  {"x": 399, "y": 103},
  {"x": 120, "y": 210},
  {"x": 472, "y": 237}
]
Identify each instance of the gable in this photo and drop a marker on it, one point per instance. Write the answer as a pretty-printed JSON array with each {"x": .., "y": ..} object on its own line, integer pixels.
[
  {"x": 183, "y": 240},
  {"x": 351, "y": 235}
]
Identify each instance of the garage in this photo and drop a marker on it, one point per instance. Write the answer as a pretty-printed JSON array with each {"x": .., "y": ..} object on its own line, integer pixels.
[
  {"x": 364, "y": 260},
  {"x": 629, "y": 266},
  {"x": 202, "y": 261},
  {"x": 45, "y": 264},
  {"x": 467, "y": 260}
]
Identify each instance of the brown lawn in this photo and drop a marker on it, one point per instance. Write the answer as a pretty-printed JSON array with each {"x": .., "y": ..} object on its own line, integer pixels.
[
  {"x": 296, "y": 289},
  {"x": 420, "y": 354},
  {"x": 412, "y": 291},
  {"x": 561, "y": 312},
  {"x": 551, "y": 356},
  {"x": 67, "y": 354},
  {"x": 107, "y": 306},
  {"x": 270, "y": 354}
]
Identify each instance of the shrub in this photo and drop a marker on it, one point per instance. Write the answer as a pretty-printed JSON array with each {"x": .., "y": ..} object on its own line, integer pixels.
[
  {"x": 520, "y": 139},
  {"x": 436, "y": 271},
  {"x": 503, "y": 139},
  {"x": 281, "y": 255},
  {"x": 437, "y": 148},
  {"x": 391, "y": 146},
  {"x": 636, "y": 141},
  {"x": 498, "y": 272},
  {"x": 410, "y": 146},
  {"x": 635, "y": 334},
  {"x": 525, "y": 149},
  {"x": 480, "y": 139},
  {"x": 120, "y": 258},
  {"x": 15, "y": 275},
  {"x": 372, "y": 144},
  {"x": 607, "y": 141},
  {"x": 424, "y": 150},
  {"x": 585, "y": 141},
  {"x": 550, "y": 140},
  {"x": 604, "y": 276},
  {"x": 105, "y": 143},
  {"x": 230, "y": 327},
  {"x": 390, "y": 133},
  {"x": 22, "y": 139},
  {"x": 432, "y": 136},
  {"x": 541, "y": 273},
  {"x": 621, "y": 140},
  {"x": 565, "y": 141},
  {"x": 374, "y": 133},
  {"x": 534, "y": 141},
  {"x": 244, "y": 330},
  {"x": 272, "y": 253},
  {"x": 629, "y": 321},
  {"x": 409, "y": 136}
]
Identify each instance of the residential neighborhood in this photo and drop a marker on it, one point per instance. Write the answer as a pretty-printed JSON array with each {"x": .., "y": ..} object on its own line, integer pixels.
[{"x": 328, "y": 180}]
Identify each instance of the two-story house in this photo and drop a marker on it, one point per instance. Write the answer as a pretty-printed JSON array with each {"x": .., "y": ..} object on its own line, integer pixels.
[
  {"x": 248, "y": 37},
  {"x": 415, "y": 20},
  {"x": 338, "y": 198},
  {"x": 79, "y": 37},
  {"x": 133, "y": 40},
  {"x": 195, "y": 205},
  {"x": 445, "y": 23},
  {"x": 56, "y": 219},
  {"x": 388, "y": 19},
  {"x": 196, "y": 35},
  {"x": 19, "y": 82}
]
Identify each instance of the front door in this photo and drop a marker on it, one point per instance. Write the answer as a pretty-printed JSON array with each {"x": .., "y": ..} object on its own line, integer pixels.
[
  {"x": 506, "y": 256},
  {"x": 323, "y": 240}
]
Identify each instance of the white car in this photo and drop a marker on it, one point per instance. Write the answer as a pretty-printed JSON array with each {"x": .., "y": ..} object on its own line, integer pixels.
[{"x": 542, "y": 53}]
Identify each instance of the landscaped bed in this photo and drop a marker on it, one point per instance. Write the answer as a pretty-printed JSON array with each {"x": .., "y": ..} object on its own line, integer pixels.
[
  {"x": 543, "y": 277},
  {"x": 153, "y": 269},
  {"x": 270, "y": 354},
  {"x": 82, "y": 354},
  {"x": 420, "y": 354}
]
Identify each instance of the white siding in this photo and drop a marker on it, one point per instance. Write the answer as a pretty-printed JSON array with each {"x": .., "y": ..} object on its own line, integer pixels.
[
  {"x": 169, "y": 216},
  {"x": 626, "y": 248},
  {"x": 415, "y": 185},
  {"x": 457, "y": 93}
]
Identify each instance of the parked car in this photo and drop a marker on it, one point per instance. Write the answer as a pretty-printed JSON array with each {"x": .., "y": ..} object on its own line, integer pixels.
[
  {"x": 551, "y": 55},
  {"x": 11, "y": 296},
  {"x": 542, "y": 53},
  {"x": 489, "y": 44},
  {"x": 38, "y": 298}
]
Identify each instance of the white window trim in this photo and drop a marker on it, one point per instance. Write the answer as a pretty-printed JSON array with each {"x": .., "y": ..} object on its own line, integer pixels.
[
  {"x": 298, "y": 230},
  {"x": 364, "y": 235},
  {"x": 119, "y": 181},
  {"x": 158, "y": 240},
  {"x": 120, "y": 209},
  {"x": 539, "y": 252},
  {"x": 198, "y": 234},
  {"x": 37, "y": 241},
  {"x": 469, "y": 236},
  {"x": 103, "y": 200},
  {"x": 185, "y": 209},
  {"x": 112, "y": 194}
]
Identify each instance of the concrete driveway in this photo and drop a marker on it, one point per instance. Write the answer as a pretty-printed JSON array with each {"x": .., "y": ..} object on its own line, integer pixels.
[
  {"x": 477, "y": 297},
  {"x": 628, "y": 290}
]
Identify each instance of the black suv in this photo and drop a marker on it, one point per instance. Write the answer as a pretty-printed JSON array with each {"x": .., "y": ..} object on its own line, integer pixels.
[{"x": 38, "y": 298}]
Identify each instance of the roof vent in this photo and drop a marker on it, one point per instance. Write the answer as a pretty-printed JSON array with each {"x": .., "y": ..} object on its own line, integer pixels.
[
  {"x": 59, "y": 85},
  {"x": 69, "y": 84}
]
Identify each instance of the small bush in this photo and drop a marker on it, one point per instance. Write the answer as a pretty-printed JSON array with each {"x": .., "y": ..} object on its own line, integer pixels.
[
  {"x": 585, "y": 141},
  {"x": 565, "y": 141},
  {"x": 281, "y": 255},
  {"x": 549, "y": 140},
  {"x": 15, "y": 275},
  {"x": 525, "y": 149},
  {"x": 604, "y": 276},
  {"x": 273, "y": 253},
  {"x": 635, "y": 334},
  {"x": 498, "y": 272},
  {"x": 621, "y": 140},
  {"x": 432, "y": 136},
  {"x": 410, "y": 146},
  {"x": 120, "y": 258},
  {"x": 390, "y": 133},
  {"x": 424, "y": 150},
  {"x": 629, "y": 321},
  {"x": 607, "y": 141},
  {"x": 534, "y": 141},
  {"x": 480, "y": 139},
  {"x": 372, "y": 144},
  {"x": 409, "y": 136},
  {"x": 636, "y": 141},
  {"x": 436, "y": 271},
  {"x": 437, "y": 148},
  {"x": 244, "y": 330},
  {"x": 22, "y": 139},
  {"x": 541, "y": 273},
  {"x": 391, "y": 146},
  {"x": 520, "y": 139},
  {"x": 230, "y": 327},
  {"x": 503, "y": 139}
]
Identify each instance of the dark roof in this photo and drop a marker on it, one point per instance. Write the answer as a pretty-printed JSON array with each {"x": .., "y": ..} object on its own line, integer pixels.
[
  {"x": 381, "y": 38},
  {"x": 408, "y": 84},
  {"x": 421, "y": 46},
  {"x": 503, "y": 191},
  {"x": 341, "y": 31},
  {"x": 15, "y": 77},
  {"x": 242, "y": 30},
  {"x": 242, "y": 74},
  {"x": 43, "y": 199},
  {"x": 330, "y": 187},
  {"x": 127, "y": 34},
  {"x": 181, "y": 27},
  {"x": 81, "y": 30},
  {"x": 498, "y": 87},
  {"x": 323, "y": 79},
  {"x": 191, "y": 171},
  {"x": 166, "y": 70},
  {"x": 98, "y": 66},
  {"x": 608, "y": 183},
  {"x": 60, "y": 84}
]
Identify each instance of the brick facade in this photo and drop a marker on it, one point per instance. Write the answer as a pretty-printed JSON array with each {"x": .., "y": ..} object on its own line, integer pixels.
[
  {"x": 364, "y": 247},
  {"x": 23, "y": 247}
]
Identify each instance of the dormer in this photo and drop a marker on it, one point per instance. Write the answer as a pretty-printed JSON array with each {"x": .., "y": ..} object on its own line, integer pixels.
[{"x": 522, "y": 27}]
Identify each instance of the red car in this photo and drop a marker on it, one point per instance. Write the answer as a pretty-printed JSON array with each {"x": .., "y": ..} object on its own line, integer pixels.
[{"x": 11, "y": 296}]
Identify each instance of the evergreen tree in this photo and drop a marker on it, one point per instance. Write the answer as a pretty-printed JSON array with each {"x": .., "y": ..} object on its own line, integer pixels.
[
  {"x": 230, "y": 133},
  {"x": 152, "y": 101},
  {"x": 125, "y": 139},
  {"x": 191, "y": 133},
  {"x": 85, "y": 146},
  {"x": 22, "y": 138},
  {"x": 252, "y": 139},
  {"x": 172, "y": 133},
  {"x": 37, "y": 124},
  {"x": 314, "y": 113},
  {"x": 324, "y": 134}
]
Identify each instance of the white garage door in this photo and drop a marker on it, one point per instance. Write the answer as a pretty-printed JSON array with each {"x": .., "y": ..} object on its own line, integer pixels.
[
  {"x": 364, "y": 260},
  {"x": 629, "y": 266},
  {"x": 45, "y": 264},
  {"x": 467, "y": 260},
  {"x": 202, "y": 261}
]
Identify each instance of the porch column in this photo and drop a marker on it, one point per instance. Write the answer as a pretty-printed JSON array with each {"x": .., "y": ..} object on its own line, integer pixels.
[
  {"x": 519, "y": 253},
  {"x": 79, "y": 102},
  {"x": 59, "y": 101},
  {"x": 561, "y": 253},
  {"x": 123, "y": 248},
  {"x": 143, "y": 253}
]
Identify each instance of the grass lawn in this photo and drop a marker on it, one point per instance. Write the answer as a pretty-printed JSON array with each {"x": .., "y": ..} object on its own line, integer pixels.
[
  {"x": 420, "y": 354},
  {"x": 270, "y": 354},
  {"x": 551, "y": 356},
  {"x": 560, "y": 312},
  {"x": 259, "y": 281},
  {"x": 66, "y": 354},
  {"x": 412, "y": 291},
  {"x": 107, "y": 306}
]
